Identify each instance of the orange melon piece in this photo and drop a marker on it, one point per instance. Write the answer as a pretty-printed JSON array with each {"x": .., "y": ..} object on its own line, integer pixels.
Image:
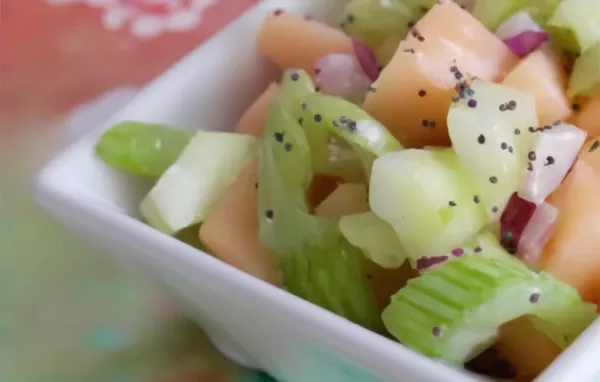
[
  {"x": 321, "y": 187},
  {"x": 417, "y": 85},
  {"x": 524, "y": 347},
  {"x": 292, "y": 41},
  {"x": 541, "y": 74},
  {"x": 346, "y": 199},
  {"x": 590, "y": 153},
  {"x": 573, "y": 254},
  {"x": 588, "y": 118},
  {"x": 254, "y": 118},
  {"x": 231, "y": 231}
]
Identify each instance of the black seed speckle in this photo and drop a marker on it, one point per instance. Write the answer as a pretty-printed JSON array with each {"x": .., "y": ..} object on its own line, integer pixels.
[
  {"x": 300, "y": 120},
  {"x": 594, "y": 146},
  {"x": 546, "y": 127},
  {"x": 277, "y": 12},
  {"x": 472, "y": 103},
  {"x": 576, "y": 107},
  {"x": 493, "y": 179},
  {"x": 534, "y": 297},
  {"x": 350, "y": 18},
  {"x": 494, "y": 209},
  {"x": 511, "y": 105},
  {"x": 335, "y": 124},
  {"x": 477, "y": 249},
  {"x": 476, "y": 199},
  {"x": 343, "y": 119},
  {"x": 549, "y": 161},
  {"x": 503, "y": 146},
  {"x": 425, "y": 123},
  {"x": 517, "y": 131},
  {"x": 556, "y": 123},
  {"x": 318, "y": 118},
  {"x": 317, "y": 89},
  {"x": 303, "y": 106},
  {"x": 502, "y": 107},
  {"x": 436, "y": 331},
  {"x": 269, "y": 214},
  {"x": 422, "y": 93},
  {"x": 352, "y": 126},
  {"x": 420, "y": 38},
  {"x": 529, "y": 166},
  {"x": 295, "y": 76},
  {"x": 532, "y": 129},
  {"x": 432, "y": 123},
  {"x": 452, "y": 203},
  {"x": 288, "y": 147},
  {"x": 411, "y": 24},
  {"x": 481, "y": 139},
  {"x": 458, "y": 75},
  {"x": 411, "y": 51},
  {"x": 510, "y": 149},
  {"x": 256, "y": 185},
  {"x": 278, "y": 137},
  {"x": 531, "y": 155}
]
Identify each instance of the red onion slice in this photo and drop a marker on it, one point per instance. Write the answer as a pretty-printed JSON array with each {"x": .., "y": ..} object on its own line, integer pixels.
[
  {"x": 514, "y": 219},
  {"x": 537, "y": 233},
  {"x": 366, "y": 59},
  {"x": 521, "y": 34},
  {"x": 340, "y": 75},
  {"x": 526, "y": 42},
  {"x": 553, "y": 154}
]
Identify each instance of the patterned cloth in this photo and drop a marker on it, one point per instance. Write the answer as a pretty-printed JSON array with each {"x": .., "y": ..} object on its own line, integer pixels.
[{"x": 67, "y": 313}]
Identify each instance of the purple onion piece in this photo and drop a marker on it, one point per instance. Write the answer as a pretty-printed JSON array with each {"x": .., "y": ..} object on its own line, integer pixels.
[
  {"x": 366, "y": 58},
  {"x": 537, "y": 233},
  {"x": 427, "y": 262},
  {"x": 526, "y": 42},
  {"x": 514, "y": 219},
  {"x": 340, "y": 75}
]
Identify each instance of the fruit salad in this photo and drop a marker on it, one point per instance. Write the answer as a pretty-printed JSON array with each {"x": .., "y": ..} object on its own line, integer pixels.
[{"x": 426, "y": 169}]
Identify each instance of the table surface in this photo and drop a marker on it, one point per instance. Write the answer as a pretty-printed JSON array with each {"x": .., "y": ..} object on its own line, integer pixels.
[{"x": 66, "y": 312}]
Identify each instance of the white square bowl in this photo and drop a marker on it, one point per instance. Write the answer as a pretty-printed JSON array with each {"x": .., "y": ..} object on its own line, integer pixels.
[{"x": 252, "y": 322}]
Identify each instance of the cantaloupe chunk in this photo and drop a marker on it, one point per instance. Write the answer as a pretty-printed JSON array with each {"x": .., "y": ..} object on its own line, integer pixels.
[
  {"x": 254, "y": 118},
  {"x": 573, "y": 252},
  {"x": 292, "y": 41},
  {"x": 541, "y": 74},
  {"x": 524, "y": 347},
  {"x": 321, "y": 187},
  {"x": 588, "y": 118},
  {"x": 346, "y": 199},
  {"x": 590, "y": 153},
  {"x": 417, "y": 85},
  {"x": 231, "y": 231}
]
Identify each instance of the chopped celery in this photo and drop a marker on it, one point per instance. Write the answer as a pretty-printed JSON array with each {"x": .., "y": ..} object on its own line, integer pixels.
[
  {"x": 317, "y": 263},
  {"x": 375, "y": 237},
  {"x": 585, "y": 78},
  {"x": 454, "y": 311},
  {"x": 141, "y": 148},
  {"x": 579, "y": 19}
]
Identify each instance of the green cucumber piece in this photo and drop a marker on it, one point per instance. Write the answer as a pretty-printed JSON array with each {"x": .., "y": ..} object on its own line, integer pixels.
[{"x": 585, "y": 78}]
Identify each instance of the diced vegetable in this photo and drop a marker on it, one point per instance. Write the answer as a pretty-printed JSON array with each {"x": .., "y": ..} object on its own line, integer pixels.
[
  {"x": 492, "y": 12},
  {"x": 230, "y": 232},
  {"x": 186, "y": 193},
  {"x": 492, "y": 131},
  {"x": 375, "y": 237},
  {"x": 585, "y": 78},
  {"x": 326, "y": 117},
  {"x": 526, "y": 42},
  {"x": 516, "y": 215},
  {"x": 537, "y": 232},
  {"x": 454, "y": 311},
  {"x": 366, "y": 58},
  {"x": 340, "y": 75},
  {"x": 346, "y": 199},
  {"x": 424, "y": 195},
  {"x": 293, "y": 41},
  {"x": 516, "y": 25},
  {"x": 542, "y": 74},
  {"x": 296, "y": 86},
  {"x": 550, "y": 158},
  {"x": 581, "y": 19},
  {"x": 414, "y": 90},
  {"x": 254, "y": 118},
  {"x": 572, "y": 252},
  {"x": 141, "y": 148},
  {"x": 318, "y": 264}
]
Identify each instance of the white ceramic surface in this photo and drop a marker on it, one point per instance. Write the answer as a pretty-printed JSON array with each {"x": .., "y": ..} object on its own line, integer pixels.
[{"x": 252, "y": 322}]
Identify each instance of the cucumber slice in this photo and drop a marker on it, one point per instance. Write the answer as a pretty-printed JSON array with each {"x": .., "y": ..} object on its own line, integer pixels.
[
  {"x": 375, "y": 237},
  {"x": 423, "y": 195},
  {"x": 582, "y": 19},
  {"x": 454, "y": 312},
  {"x": 585, "y": 78},
  {"x": 295, "y": 87},
  {"x": 141, "y": 148},
  {"x": 317, "y": 263},
  {"x": 492, "y": 132},
  {"x": 327, "y": 116},
  {"x": 185, "y": 194}
]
